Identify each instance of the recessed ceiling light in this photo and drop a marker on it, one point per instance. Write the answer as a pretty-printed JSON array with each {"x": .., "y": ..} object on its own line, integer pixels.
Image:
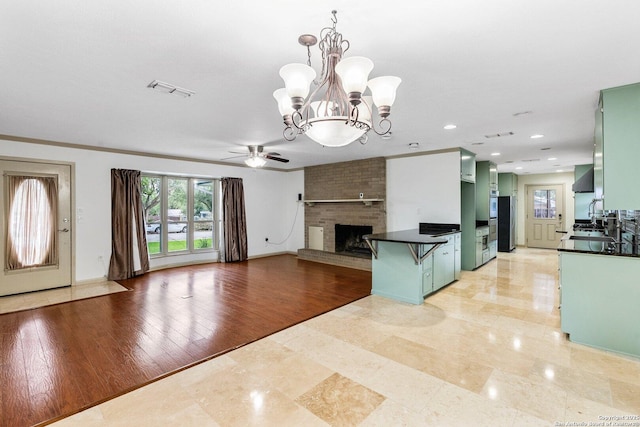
[
  {"x": 495, "y": 154},
  {"x": 552, "y": 158},
  {"x": 450, "y": 126},
  {"x": 414, "y": 145},
  {"x": 559, "y": 170},
  {"x": 536, "y": 136},
  {"x": 519, "y": 167}
]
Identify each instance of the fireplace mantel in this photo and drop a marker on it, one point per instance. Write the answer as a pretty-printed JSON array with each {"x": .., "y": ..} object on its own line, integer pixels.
[{"x": 367, "y": 202}]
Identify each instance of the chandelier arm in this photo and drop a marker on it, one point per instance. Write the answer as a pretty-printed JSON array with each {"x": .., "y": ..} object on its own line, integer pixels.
[
  {"x": 289, "y": 133},
  {"x": 385, "y": 126},
  {"x": 296, "y": 119}
]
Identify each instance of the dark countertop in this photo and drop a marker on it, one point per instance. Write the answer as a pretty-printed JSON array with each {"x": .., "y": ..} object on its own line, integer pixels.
[
  {"x": 591, "y": 247},
  {"x": 409, "y": 236}
]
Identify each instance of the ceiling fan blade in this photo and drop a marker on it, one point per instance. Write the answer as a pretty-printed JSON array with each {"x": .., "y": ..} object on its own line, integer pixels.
[
  {"x": 234, "y": 157},
  {"x": 273, "y": 153},
  {"x": 277, "y": 159}
]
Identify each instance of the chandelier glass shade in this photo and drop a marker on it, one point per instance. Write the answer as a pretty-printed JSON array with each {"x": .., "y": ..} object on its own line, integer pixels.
[{"x": 332, "y": 111}]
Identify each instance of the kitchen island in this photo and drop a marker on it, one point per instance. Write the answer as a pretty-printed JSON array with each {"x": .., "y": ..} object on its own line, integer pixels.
[
  {"x": 409, "y": 265},
  {"x": 599, "y": 294}
]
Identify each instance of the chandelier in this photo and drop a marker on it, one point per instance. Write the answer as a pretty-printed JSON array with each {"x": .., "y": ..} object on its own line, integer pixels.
[{"x": 336, "y": 113}]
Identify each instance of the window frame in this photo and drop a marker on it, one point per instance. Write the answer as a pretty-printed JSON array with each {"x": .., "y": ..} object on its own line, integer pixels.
[{"x": 190, "y": 234}]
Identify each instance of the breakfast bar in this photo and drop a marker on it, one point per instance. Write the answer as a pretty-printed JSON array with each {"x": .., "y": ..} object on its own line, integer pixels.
[{"x": 408, "y": 265}]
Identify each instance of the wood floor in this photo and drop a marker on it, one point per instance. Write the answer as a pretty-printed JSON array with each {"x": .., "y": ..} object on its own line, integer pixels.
[{"x": 57, "y": 360}]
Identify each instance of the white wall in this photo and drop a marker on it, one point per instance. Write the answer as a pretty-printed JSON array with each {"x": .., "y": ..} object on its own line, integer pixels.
[
  {"x": 270, "y": 199},
  {"x": 423, "y": 189},
  {"x": 565, "y": 178}
]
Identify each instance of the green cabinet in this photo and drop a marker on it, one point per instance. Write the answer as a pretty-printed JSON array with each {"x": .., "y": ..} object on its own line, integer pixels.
[
  {"x": 508, "y": 184},
  {"x": 467, "y": 166},
  {"x": 486, "y": 172},
  {"x": 599, "y": 297},
  {"x": 457, "y": 259},
  {"x": 617, "y": 149},
  {"x": 493, "y": 177},
  {"x": 444, "y": 264},
  {"x": 427, "y": 276}
]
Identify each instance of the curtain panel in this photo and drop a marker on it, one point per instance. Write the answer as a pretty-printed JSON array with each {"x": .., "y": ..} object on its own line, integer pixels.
[
  {"x": 129, "y": 253},
  {"x": 234, "y": 220},
  {"x": 32, "y": 238}
]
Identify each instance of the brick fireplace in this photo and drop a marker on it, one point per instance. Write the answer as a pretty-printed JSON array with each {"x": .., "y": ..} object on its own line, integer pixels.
[{"x": 345, "y": 194}]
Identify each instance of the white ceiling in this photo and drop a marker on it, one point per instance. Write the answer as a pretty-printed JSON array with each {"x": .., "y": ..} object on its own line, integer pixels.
[{"x": 76, "y": 71}]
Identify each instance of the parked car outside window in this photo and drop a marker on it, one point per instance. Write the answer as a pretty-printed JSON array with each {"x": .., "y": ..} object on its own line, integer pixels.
[{"x": 173, "y": 227}]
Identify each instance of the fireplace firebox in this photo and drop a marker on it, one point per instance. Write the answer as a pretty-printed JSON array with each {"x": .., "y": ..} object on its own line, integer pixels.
[{"x": 349, "y": 241}]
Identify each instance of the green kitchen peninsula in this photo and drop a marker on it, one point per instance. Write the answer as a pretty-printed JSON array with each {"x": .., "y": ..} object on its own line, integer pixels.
[{"x": 407, "y": 265}]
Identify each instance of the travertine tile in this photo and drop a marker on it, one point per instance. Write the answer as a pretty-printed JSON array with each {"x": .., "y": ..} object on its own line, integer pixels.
[
  {"x": 340, "y": 401},
  {"x": 626, "y": 396}
]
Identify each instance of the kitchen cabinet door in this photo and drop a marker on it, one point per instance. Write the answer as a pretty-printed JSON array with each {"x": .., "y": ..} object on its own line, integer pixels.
[
  {"x": 443, "y": 265},
  {"x": 427, "y": 276},
  {"x": 457, "y": 259},
  {"x": 493, "y": 177},
  {"x": 467, "y": 166},
  {"x": 620, "y": 147},
  {"x": 508, "y": 184}
]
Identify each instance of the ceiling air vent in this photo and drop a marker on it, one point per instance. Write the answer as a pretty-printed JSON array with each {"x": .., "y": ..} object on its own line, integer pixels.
[
  {"x": 499, "y": 135},
  {"x": 531, "y": 160}
]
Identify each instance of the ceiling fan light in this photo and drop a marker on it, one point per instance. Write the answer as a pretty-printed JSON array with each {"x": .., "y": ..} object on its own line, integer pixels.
[
  {"x": 383, "y": 90},
  {"x": 354, "y": 72},
  {"x": 297, "y": 79},
  {"x": 284, "y": 102},
  {"x": 255, "y": 162}
]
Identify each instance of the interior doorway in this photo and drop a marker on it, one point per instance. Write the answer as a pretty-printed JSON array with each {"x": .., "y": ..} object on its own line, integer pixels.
[
  {"x": 545, "y": 215},
  {"x": 36, "y": 226}
]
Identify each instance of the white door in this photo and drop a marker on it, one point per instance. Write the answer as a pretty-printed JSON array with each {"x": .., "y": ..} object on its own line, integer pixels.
[
  {"x": 545, "y": 215},
  {"x": 35, "y": 226}
]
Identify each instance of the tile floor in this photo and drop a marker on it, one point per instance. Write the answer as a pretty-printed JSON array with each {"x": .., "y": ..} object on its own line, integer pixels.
[
  {"x": 30, "y": 300},
  {"x": 486, "y": 350}
]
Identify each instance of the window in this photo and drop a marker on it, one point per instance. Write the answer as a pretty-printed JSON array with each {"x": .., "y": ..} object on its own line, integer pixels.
[
  {"x": 544, "y": 204},
  {"x": 181, "y": 214}
]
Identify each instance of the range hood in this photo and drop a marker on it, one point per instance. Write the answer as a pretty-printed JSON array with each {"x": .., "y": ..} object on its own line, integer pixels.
[{"x": 584, "y": 184}]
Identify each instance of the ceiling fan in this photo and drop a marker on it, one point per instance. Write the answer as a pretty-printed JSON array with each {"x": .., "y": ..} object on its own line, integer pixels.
[{"x": 256, "y": 158}]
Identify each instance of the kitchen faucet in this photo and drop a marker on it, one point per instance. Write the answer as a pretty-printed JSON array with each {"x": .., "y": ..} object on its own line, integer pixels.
[{"x": 593, "y": 205}]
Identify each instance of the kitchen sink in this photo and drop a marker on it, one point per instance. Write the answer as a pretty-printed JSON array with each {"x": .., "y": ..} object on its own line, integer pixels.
[{"x": 604, "y": 239}]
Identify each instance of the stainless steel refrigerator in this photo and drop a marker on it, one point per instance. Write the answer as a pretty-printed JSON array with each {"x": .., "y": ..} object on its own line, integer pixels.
[{"x": 506, "y": 223}]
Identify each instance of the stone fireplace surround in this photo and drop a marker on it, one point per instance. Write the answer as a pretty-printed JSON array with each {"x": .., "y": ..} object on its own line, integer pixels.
[{"x": 338, "y": 186}]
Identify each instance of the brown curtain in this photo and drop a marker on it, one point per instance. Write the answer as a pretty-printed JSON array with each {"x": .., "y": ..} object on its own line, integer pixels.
[
  {"x": 233, "y": 217},
  {"x": 127, "y": 226},
  {"x": 32, "y": 238}
]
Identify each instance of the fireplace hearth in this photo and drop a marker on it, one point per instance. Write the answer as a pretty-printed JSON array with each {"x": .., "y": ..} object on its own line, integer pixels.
[{"x": 349, "y": 241}]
